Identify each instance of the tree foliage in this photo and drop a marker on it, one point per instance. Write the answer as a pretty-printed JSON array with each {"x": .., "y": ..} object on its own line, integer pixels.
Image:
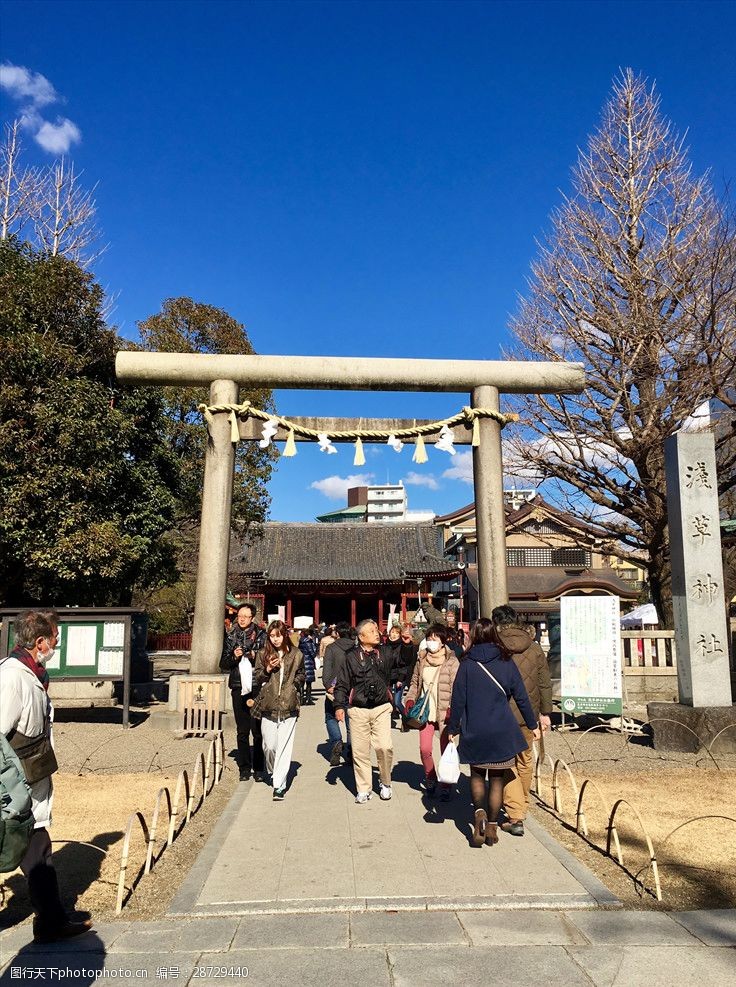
[
  {"x": 186, "y": 326},
  {"x": 636, "y": 280},
  {"x": 88, "y": 484}
]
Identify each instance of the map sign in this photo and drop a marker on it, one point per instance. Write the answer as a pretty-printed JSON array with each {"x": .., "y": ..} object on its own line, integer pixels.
[{"x": 591, "y": 654}]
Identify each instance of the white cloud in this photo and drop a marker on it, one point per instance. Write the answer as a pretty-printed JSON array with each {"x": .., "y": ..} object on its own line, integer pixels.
[
  {"x": 33, "y": 90},
  {"x": 462, "y": 468},
  {"x": 420, "y": 480},
  {"x": 336, "y": 487},
  {"x": 57, "y": 138},
  {"x": 26, "y": 86}
]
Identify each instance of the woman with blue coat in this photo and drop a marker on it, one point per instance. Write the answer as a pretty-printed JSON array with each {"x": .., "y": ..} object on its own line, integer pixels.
[{"x": 489, "y": 736}]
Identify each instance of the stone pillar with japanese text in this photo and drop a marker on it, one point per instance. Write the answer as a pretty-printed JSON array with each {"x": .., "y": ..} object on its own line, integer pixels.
[{"x": 701, "y": 634}]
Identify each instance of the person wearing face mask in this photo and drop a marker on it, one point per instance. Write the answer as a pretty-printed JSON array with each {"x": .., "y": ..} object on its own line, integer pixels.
[
  {"x": 434, "y": 674},
  {"x": 279, "y": 674},
  {"x": 26, "y": 716}
]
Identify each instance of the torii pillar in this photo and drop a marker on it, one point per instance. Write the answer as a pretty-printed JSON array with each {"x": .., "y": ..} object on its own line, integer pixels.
[{"x": 486, "y": 380}]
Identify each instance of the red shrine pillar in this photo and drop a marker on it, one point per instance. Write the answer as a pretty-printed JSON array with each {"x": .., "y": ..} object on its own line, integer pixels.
[
  {"x": 316, "y": 610},
  {"x": 353, "y": 611},
  {"x": 380, "y": 613},
  {"x": 288, "y": 611},
  {"x": 403, "y": 607}
]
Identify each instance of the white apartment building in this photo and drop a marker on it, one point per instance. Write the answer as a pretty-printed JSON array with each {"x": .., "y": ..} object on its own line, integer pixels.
[{"x": 386, "y": 503}]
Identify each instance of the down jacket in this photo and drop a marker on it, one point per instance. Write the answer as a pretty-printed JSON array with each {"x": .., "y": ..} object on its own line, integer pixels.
[
  {"x": 445, "y": 682},
  {"x": 279, "y": 703},
  {"x": 531, "y": 661}
]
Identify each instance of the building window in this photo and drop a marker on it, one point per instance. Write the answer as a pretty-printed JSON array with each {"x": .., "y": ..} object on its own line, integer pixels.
[{"x": 566, "y": 558}]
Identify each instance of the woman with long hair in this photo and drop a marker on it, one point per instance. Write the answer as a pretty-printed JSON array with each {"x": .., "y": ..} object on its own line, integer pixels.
[
  {"x": 279, "y": 673},
  {"x": 434, "y": 676},
  {"x": 489, "y": 736}
]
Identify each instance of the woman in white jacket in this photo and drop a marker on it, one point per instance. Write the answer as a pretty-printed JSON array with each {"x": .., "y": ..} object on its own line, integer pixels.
[{"x": 26, "y": 715}]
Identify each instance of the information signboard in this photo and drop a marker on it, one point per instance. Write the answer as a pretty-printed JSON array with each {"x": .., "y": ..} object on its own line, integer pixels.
[
  {"x": 87, "y": 649},
  {"x": 590, "y": 652}
]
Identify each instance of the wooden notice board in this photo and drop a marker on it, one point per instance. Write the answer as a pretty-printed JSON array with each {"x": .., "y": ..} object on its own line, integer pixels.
[{"x": 94, "y": 645}]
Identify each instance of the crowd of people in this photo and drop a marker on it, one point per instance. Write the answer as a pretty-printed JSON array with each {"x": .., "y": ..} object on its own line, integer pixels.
[{"x": 490, "y": 696}]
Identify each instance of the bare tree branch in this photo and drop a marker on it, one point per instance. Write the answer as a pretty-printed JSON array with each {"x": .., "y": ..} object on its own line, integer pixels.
[
  {"x": 65, "y": 221},
  {"x": 637, "y": 280},
  {"x": 19, "y": 185}
]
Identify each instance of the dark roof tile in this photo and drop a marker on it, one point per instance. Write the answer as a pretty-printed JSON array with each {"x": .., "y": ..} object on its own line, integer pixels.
[{"x": 366, "y": 552}]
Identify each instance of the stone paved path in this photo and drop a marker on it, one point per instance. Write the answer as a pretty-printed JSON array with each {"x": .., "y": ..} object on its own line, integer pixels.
[
  {"x": 392, "y": 949},
  {"x": 318, "y": 850}
]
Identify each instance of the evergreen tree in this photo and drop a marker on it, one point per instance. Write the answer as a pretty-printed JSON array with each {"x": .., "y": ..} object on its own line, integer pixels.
[{"x": 88, "y": 485}]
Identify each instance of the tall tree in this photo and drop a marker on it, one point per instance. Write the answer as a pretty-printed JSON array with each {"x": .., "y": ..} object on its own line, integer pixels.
[
  {"x": 186, "y": 326},
  {"x": 636, "y": 280},
  {"x": 88, "y": 484}
]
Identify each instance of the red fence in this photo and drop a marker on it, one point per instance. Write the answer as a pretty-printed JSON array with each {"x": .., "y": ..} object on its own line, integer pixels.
[{"x": 169, "y": 642}]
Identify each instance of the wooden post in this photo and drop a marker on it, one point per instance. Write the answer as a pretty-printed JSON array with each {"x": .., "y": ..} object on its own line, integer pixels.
[
  {"x": 316, "y": 610},
  {"x": 288, "y": 611},
  {"x": 403, "y": 608},
  {"x": 380, "y": 613},
  {"x": 353, "y": 611}
]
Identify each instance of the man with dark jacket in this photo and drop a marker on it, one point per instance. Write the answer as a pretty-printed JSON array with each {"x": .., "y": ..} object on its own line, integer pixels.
[
  {"x": 244, "y": 642},
  {"x": 530, "y": 659},
  {"x": 363, "y": 690},
  {"x": 334, "y": 659}
]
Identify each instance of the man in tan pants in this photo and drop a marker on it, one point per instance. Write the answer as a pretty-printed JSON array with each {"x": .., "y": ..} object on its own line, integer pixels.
[
  {"x": 363, "y": 689},
  {"x": 514, "y": 638}
]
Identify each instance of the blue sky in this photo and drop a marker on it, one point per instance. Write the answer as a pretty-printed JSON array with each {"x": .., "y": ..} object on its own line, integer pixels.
[{"x": 352, "y": 178}]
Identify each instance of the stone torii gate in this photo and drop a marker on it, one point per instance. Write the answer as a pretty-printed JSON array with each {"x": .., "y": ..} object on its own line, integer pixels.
[{"x": 485, "y": 379}]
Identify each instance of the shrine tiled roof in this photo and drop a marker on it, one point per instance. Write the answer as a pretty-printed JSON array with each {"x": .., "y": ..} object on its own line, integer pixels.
[
  {"x": 347, "y": 553},
  {"x": 548, "y": 582}
]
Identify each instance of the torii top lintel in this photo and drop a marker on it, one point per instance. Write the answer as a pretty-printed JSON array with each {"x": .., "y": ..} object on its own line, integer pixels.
[{"x": 345, "y": 373}]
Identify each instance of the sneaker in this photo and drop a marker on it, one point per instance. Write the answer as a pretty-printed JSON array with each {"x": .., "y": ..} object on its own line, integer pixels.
[
  {"x": 430, "y": 787},
  {"x": 385, "y": 793},
  {"x": 362, "y": 797},
  {"x": 445, "y": 794},
  {"x": 514, "y": 828},
  {"x": 336, "y": 754},
  {"x": 244, "y": 775},
  {"x": 278, "y": 794},
  {"x": 258, "y": 776}
]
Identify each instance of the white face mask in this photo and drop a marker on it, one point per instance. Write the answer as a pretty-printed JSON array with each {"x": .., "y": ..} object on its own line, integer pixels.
[
  {"x": 42, "y": 657},
  {"x": 434, "y": 646}
]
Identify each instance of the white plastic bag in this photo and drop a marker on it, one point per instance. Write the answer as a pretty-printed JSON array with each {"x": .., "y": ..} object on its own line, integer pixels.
[
  {"x": 246, "y": 676},
  {"x": 449, "y": 769}
]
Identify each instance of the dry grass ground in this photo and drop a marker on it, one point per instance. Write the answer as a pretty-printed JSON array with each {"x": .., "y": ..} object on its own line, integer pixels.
[
  {"x": 118, "y": 772},
  {"x": 697, "y": 863}
]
